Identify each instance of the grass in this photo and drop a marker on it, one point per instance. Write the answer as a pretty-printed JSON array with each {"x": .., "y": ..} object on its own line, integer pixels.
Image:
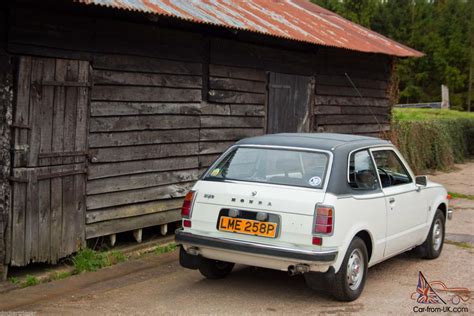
[
  {"x": 166, "y": 248},
  {"x": 455, "y": 195},
  {"x": 59, "y": 275},
  {"x": 14, "y": 280},
  {"x": 429, "y": 114},
  {"x": 30, "y": 281},
  {"x": 464, "y": 245}
]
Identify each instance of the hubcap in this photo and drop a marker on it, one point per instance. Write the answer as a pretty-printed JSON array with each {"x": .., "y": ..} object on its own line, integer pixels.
[
  {"x": 355, "y": 269},
  {"x": 437, "y": 234}
]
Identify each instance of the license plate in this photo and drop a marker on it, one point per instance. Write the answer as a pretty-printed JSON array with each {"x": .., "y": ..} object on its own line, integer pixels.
[{"x": 247, "y": 226}]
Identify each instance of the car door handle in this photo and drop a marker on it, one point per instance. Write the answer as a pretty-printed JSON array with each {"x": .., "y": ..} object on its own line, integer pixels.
[{"x": 391, "y": 200}]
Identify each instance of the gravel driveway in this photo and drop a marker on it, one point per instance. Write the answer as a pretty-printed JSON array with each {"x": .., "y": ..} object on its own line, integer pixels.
[{"x": 158, "y": 285}]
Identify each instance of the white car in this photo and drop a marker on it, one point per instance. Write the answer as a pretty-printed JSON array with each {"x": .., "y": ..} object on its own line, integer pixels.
[{"x": 325, "y": 205}]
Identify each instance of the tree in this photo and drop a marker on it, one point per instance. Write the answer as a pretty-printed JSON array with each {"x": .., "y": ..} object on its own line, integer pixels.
[{"x": 438, "y": 28}]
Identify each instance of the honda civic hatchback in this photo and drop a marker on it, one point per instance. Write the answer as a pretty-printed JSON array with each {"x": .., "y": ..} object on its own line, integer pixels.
[{"x": 327, "y": 206}]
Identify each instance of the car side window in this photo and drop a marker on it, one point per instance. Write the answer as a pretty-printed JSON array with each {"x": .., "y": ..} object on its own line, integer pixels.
[
  {"x": 362, "y": 174},
  {"x": 390, "y": 168}
]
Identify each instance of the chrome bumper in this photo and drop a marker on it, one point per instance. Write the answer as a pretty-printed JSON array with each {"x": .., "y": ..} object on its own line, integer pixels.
[
  {"x": 450, "y": 213},
  {"x": 182, "y": 237}
]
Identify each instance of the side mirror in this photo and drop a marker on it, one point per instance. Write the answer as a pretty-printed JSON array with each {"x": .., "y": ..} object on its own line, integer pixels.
[{"x": 421, "y": 180}]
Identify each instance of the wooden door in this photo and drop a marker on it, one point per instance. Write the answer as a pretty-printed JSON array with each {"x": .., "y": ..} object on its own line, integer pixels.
[
  {"x": 289, "y": 103},
  {"x": 49, "y": 159}
]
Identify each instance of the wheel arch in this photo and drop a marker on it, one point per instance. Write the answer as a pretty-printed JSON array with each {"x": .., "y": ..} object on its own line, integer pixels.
[{"x": 367, "y": 239}]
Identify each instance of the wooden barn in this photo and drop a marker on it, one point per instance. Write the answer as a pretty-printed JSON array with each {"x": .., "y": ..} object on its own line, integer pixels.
[{"x": 111, "y": 109}]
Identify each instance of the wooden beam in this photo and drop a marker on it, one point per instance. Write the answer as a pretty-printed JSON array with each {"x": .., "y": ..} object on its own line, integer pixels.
[{"x": 128, "y": 224}]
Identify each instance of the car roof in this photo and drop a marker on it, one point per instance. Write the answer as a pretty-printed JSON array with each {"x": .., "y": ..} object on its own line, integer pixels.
[{"x": 323, "y": 141}]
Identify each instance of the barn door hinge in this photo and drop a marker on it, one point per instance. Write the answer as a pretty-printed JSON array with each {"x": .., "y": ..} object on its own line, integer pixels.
[{"x": 20, "y": 148}]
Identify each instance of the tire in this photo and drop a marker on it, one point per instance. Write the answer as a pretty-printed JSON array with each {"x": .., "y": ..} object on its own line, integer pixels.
[
  {"x": 348, "y": 286},
  {"x": 433, "y": 245},
  {"x": 214, "y": 269}
]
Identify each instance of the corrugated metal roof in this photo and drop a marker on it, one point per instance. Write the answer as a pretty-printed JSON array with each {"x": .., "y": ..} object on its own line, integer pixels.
[{"x": 297, "y": 20}]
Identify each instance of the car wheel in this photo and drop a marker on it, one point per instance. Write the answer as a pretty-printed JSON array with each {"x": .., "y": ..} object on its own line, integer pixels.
[
  {"x": 214, "y": 269},
  {"x": 350, "y": 279},
  {"x": 433, "y": 244}
]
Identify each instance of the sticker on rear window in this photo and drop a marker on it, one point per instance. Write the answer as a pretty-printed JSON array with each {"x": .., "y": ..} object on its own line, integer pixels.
[{"x": 315, "y": 181}]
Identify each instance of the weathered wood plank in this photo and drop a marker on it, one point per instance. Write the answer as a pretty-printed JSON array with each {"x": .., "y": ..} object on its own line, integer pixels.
[
  {"x": 208, "y": 134},
  {"x": 145, "y": 94},
  {"x": 45, "y": 112},
  {"x": 108, "y": 77},
  {"x": 247, "y": 109},
  {"x": 351, "y": 119},
  {"x": 215, "y": 108},
  {"x": 142, "y": 137},
  {"x": 231, "y": 121},
  {"x": 350, "y": 101},
  {"x": 130, "y": 223},
  {"x": 334, "y": 109},
  {"x": 356, "y": 129},
  {"x": 236, "y": 85},
  {"x": 237, "y": 73},
  {"x": 214, "y": 147},
  {"x": 137, "y": 196},
  {"x": 223, "y": 96},
  {"x": 21, "y": 115},
  {"x": 130, "y": 123},
  {"x": 126, "y": 153},
  {"x": 34, "y": 140},
  {"x": 334, "y": 80},
  {"x": 99, "y": 108},
  {"x": 18, "y": 223},
  {"x": 105, "y": 170},
  {"x": 145, "y": 64},
  {"x": 142, "y": 180},
  {"x": 350, "y": 91},
  {"x": 44, "y": 209},
  {"x": 133, "y": 210}
]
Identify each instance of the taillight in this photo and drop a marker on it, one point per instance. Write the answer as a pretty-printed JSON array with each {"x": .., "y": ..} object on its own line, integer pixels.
[
  {"x": 324, "y": 222},
  {"x": 187, "y": 205}
]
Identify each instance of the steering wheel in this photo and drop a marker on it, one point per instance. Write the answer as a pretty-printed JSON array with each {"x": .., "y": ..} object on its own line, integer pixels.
[{"x": 389, "y": 178}]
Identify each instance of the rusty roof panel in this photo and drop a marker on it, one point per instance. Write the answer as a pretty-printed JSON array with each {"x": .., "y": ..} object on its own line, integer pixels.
[{"x": 297, "y": 20}]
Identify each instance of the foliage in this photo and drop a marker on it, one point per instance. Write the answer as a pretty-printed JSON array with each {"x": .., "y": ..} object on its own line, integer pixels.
[
  {"x": 14, "y": 280},
  {"x": 438, "y": 28},
  {"x": 30, "y": 281},
  {"x": 433, "y": 140}
]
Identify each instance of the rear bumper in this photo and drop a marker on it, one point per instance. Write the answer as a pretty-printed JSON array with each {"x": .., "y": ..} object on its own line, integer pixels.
[{"x": 225, "y": 244}]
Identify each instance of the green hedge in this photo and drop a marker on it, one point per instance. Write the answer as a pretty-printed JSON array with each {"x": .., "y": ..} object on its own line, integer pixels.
[{"x": 435, "y": 143}]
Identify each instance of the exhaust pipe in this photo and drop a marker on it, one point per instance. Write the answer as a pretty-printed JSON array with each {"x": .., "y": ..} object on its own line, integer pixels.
[{"x": 298, "y": 269}]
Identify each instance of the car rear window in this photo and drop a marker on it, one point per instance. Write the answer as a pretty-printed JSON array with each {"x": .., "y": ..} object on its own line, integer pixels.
[{"x": 275, "y": 166}]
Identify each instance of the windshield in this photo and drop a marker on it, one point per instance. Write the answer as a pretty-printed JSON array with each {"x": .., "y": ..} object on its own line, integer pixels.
[{"x": 275, "y": 166}]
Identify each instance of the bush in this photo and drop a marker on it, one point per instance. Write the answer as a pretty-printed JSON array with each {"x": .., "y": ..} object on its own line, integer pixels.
[{"x": 433, "y": 141}]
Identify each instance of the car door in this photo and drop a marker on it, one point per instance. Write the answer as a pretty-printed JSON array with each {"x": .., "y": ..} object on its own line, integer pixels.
[{"x": 406, "y": 207}]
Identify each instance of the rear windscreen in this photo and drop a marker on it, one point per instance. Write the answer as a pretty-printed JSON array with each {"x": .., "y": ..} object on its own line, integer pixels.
[{"x": 275, "y": 166}]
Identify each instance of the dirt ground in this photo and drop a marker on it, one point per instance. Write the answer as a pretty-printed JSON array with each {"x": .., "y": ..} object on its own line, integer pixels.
[{"x": 158, "y": 285}]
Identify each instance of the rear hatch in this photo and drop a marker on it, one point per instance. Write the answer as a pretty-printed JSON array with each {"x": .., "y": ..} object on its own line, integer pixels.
[{"x": 237, "y": 209}]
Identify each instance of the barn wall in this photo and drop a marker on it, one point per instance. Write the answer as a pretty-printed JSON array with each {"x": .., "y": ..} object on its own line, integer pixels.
[
  {"x": 6, "y": 95},
  {"x": 165, "y": 103}
]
